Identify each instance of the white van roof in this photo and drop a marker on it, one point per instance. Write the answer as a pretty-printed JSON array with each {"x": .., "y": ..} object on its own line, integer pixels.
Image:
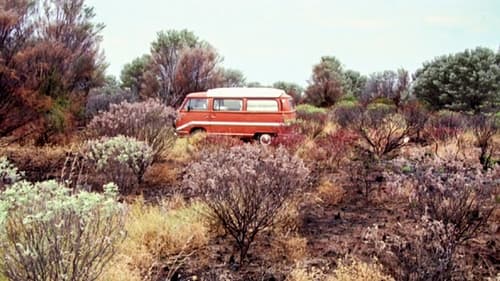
[{"x": 246, "y": 92}]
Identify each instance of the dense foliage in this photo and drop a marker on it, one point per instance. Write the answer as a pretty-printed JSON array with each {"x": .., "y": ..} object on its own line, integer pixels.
[
  {"x": 49, "y": 60},
  {"x": 465, "y": 81},
  {"x": 326, "y": 85}
]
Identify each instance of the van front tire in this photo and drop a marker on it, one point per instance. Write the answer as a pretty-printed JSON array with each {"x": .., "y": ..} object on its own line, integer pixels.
[{"x": 265, "y": 139}]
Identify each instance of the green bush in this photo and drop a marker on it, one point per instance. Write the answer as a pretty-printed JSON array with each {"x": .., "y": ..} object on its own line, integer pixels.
[
  {"x": 120, "y": 159},
  {"x": 48, "y": 233},
  {"x": 309, "y": 108}
]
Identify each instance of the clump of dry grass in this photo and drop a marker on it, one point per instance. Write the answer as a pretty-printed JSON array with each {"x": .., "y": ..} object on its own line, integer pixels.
[
  {"x": 304, "y": 274},
  {"x": 293, "y": 247},
  {"x": 165, "y": 234},
  {"x": 351, "y": 269},
  {"x": 330, "y": 192},
  {"x": 184, "y": 149},
  {"x": 348, "y": 269}
]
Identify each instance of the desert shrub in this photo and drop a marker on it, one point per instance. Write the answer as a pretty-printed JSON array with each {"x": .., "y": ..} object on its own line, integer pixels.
[
  {"x": 424, "y": 253},
  {"x": 365, "y": 172},
  {"x": 291, "y": 138},
  {"x": 452, "y": 202},
  {"x": 310, "y": 120},
  {"x": 416, "y": 117},
  {"x": 148, "y": 121},
  {"x": 456, "y": 194},
  {"x": 355, "y": 270},
  {"x": 345, "y": 113},
  {"x": 47, "y": 233},
  {"x": 444, "y": 125},
  {"x": 485, "y": 127},
  {"x": 8, "y": 173},
  {"x": 245, "y": 188},
  {"x": 309, "y": 109},
  {"x": 382, "y": 130},
  {"x": 101, "y": 101},
  {"x": 333, "y": 148},
  {"x": 122, "y": 160},
  {"x": 212, "y": 142}
]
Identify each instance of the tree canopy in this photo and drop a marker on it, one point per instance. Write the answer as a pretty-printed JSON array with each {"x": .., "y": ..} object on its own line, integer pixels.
[
  {"x": 465, "y": 81},
  {"x": 327, "y": 82}
]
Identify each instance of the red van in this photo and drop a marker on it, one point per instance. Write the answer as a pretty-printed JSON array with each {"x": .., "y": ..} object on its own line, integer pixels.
[{"x": 259, "y": 113}]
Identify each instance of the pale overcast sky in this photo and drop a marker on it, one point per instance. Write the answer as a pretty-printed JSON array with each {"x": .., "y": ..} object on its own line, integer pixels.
[{"x": 271, "y": 40}]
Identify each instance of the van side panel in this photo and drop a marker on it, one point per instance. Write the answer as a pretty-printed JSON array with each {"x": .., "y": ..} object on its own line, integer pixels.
[{"x": 224, "y": 115}]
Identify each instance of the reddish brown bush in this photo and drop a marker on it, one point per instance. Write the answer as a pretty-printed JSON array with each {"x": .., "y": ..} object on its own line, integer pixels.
[
  {"x": 444, "y": 125},
  {"x": 485, "y": 127},
  {"x": 333, "y": 148},
  {"x": 245, "y": 187},
  {"x": 214, "y": 142},
  {"x": 50, "y": 59},
  {"x": 310, "y": 122},
  {"x": 382, "y": 130},
  {"x": 291, "y": 139}
]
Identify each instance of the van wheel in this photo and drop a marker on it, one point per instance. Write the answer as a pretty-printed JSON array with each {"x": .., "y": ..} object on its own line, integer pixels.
[
  {"x": 265, "y": 139},
  {"x": 197, "y": 131}
]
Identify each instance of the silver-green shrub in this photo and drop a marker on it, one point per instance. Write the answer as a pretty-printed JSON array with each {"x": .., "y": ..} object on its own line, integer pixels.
[
  {"x": 148, "y": 121},
  {"x": 122, "y": 160},
  {"x": 8, "y": 173},
  {"x": 47, "y": 233}
]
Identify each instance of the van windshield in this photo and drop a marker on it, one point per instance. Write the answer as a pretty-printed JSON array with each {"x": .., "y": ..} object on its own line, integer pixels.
[{"x": 196, "y": 104}]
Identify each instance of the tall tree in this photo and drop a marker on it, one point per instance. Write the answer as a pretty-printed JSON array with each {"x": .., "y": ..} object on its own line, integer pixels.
[
  {"x": 172, "y": 54},
  {"x": 326, "y": 85},
  {"x": 233, "y": 78},
  {"x": 197, "y": 70},
  {"x": 132, "y": 74},
  {"x": 292, "y": 89},
  {"x": 354, "y": 83},
  {"x": 49, "y": 60},
  {"x": 465, "y": 81},
  {"x": 388, "y": 84}
]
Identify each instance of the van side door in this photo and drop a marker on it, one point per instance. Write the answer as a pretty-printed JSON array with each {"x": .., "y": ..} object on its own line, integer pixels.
[{"x": 194, "y": 115}]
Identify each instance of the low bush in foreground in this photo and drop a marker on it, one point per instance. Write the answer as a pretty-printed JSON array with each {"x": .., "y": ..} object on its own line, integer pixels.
[
  {"x": 47, "y": 233},
  {"x": 245, "y": 187}
]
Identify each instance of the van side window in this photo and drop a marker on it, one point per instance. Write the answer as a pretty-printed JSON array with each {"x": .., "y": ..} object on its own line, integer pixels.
[
  {"x": 262, "y": 105},
  {"x": 196, "y": 104},
  {"x": 228, "y": 104}
]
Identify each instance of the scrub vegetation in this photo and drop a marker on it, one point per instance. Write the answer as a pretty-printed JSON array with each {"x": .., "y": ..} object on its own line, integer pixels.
[{"x": 388, "y": 176}]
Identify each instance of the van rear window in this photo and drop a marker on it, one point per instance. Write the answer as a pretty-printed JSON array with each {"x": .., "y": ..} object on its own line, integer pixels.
[{"x": 262, "y": 105}]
